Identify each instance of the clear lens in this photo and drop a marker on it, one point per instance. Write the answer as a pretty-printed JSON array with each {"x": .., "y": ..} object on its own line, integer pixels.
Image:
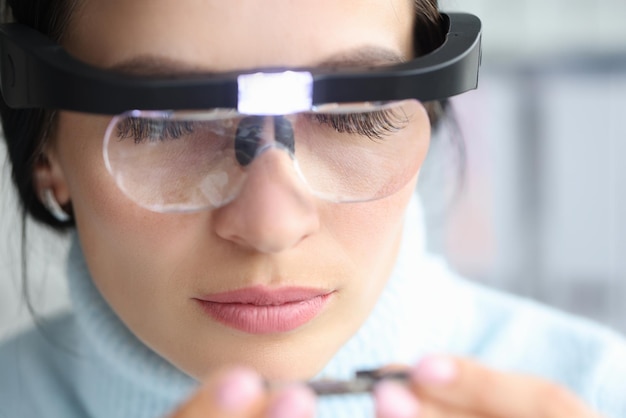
[{"x": 186, "y": 161}]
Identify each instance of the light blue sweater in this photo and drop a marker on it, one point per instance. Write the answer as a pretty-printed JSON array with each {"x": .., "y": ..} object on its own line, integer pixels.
[{"x": 87, "y": 364}]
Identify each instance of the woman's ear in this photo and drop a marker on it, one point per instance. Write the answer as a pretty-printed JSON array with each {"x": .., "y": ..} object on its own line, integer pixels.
[{"x": 49, "y": 178}]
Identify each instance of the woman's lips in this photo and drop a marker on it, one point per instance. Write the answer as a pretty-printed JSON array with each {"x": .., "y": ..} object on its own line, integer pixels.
[{"x": 260, "y": 310}]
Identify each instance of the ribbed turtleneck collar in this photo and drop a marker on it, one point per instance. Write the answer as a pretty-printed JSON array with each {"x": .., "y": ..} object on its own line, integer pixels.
[{"x": 118, "y": 376}]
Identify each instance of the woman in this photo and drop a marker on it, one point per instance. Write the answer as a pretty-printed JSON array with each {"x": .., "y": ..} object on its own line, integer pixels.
[{"x": 290, "y": 254}]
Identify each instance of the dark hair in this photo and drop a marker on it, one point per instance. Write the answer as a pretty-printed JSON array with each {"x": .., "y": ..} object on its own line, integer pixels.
[{"x": 26, "y": 130}]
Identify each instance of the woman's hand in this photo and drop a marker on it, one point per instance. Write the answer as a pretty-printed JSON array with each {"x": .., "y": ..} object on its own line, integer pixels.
[
  {"x": 239, "y": 393},
  {"x": 445, "y": 387}
]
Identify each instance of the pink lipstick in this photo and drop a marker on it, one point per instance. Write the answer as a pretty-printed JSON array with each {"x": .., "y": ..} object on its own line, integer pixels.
[{"x": 262, "y": 310}]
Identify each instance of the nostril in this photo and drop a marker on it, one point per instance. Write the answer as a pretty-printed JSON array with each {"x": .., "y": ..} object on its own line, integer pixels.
[{"x": 248, "y": 138}]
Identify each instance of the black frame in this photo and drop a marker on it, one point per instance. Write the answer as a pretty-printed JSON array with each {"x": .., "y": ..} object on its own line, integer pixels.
[{"x": 36, "y": 72}]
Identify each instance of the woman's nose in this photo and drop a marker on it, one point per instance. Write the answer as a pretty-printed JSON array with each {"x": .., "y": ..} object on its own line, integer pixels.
[
  {"x": 250, "y": 132},
  {"x": 274, "y": 210}
]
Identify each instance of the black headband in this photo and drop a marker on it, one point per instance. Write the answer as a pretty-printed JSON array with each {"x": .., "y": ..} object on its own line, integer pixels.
[{"x": 38, "y": 73}]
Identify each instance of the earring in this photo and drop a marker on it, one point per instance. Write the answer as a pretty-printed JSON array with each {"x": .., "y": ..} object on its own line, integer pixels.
[{"x": 50, "y": 202}]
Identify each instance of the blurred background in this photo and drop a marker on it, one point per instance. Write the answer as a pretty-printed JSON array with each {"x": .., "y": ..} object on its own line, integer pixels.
[{"x": 542, "y": 211}]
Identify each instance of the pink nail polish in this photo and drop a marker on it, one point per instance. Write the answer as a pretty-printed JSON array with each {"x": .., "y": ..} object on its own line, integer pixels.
[
  {"x": 395, "y": 401},
  {"x": 238, "y": 389},
  {"x": 435, "y": 370}
]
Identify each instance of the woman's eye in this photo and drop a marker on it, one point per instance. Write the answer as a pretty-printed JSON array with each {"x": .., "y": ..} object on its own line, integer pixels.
[
  {"x": 142, "y": 129},
  {"x": 374, "y": 125}
]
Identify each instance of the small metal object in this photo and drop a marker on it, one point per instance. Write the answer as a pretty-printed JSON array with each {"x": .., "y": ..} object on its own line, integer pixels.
[{"x": 363, "y": 382}]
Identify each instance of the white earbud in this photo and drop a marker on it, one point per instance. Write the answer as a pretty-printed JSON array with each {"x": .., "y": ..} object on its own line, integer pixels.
[{"x": 50, "y": 202}]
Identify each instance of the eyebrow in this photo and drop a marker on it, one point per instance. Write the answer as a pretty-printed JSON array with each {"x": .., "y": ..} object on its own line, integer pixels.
[
  {"x": 161, "y": 66},
  {"x": 369, "y": 56}
]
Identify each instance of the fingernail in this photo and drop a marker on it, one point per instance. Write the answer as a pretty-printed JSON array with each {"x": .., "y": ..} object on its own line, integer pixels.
[
  {"x": 395, "y": 401},
  {"x": 435, "y": 370},
  {"x": 238, "y": 389},
  {"x": 293, "y": 402}
]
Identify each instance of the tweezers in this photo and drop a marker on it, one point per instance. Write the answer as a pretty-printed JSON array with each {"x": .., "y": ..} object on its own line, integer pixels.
[{"x": 363, "y": 382}]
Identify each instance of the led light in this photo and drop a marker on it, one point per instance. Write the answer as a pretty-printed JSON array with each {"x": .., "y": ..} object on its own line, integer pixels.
[{"x": 275, "y": 93}]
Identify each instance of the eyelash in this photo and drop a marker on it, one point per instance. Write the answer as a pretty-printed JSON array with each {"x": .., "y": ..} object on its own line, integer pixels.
[
  {"x": 373, "y": 125},
  {"x": 141, "y": 129}
]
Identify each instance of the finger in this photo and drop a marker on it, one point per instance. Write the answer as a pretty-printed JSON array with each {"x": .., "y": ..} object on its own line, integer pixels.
[
  {"x": 234, "y": 393},
  {"x": 295, "y": 401},
  {"x": 468, "y": 386},
  {"x": 394, "y": 400}
]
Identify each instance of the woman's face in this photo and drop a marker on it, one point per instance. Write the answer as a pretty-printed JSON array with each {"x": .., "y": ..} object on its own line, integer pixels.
[{"x": 169, "y": 277}]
